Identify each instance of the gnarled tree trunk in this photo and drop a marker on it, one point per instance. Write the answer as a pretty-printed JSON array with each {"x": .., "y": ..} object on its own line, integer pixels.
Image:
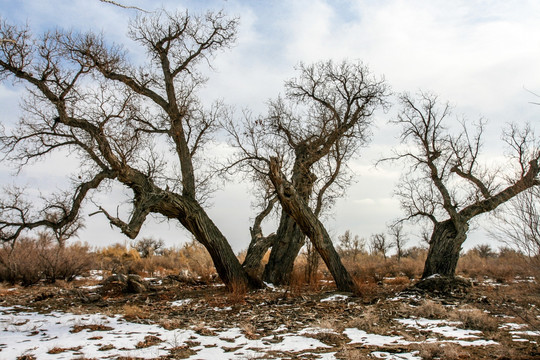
[
  {"x": 310, "y": 225},
  {"x": 444, "y": 248},
  {"x": 289, "y": 241}
]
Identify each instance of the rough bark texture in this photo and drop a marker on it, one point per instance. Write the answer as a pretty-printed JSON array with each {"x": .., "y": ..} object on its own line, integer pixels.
[
  {"x": 310, "y": 225},
  {"x": 206, "y": 232},
  {"x": 444, "y": 249},
  {"x": 255, "y": 253},
  {"x": 290, "y": 237},
  {"x": 289, "y": 241}
]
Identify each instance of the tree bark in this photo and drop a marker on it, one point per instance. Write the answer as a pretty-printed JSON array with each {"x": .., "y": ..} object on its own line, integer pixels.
[
  {"x": 255, "y": 253},
  {"x": 310, "y": 225},
  {"x": 207, "y": 233},
  {"x": 444, "y": 248},
  {"x": 289, "y": 241}
]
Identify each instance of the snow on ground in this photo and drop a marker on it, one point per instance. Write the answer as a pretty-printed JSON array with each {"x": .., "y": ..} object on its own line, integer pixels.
[
  {"x": 59, "y": 335},
  {"x": 99, "y": 336},
  {"x": 336, "y": 297}
]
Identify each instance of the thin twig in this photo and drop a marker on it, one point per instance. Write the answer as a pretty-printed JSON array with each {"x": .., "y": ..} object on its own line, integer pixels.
[{"x": 123, "y": 6}]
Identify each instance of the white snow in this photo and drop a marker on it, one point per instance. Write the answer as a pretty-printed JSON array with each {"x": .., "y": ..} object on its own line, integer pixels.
[
  {"x": 361, "y": 337},
  {"x": 35, "y": 334},
  {"x": 181, "y": 302},
  {"x": 336, "y": 297},
  {"x": 403, "y": 356},
  {"x": 23, "y": 332},
  {"x": 441, "y": 327}
]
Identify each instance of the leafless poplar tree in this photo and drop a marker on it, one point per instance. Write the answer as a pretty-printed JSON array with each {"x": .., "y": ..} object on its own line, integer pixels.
[
  {"x": 446, "y": 183},
  {"x": 380, "y": 245},
  {"x": 85, "y": 98},
  {"x": 398, "y": 239},
  {"x": 518, "y": 223},
  {"x": 301, "y": 147}
]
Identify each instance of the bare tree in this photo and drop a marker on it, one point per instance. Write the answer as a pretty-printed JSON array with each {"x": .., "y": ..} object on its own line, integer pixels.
[
  {"x": 85, "y": 98},
  {"x": 399, "y": 239},
  {"x": 303, "y": 144},
  {"x": 380, "y": 245},
  {"x": 148, "y": 247},
  {"x": 518, "y": 223},
  {"x": 446, "y": 180},
  {"x": 351, "y": 246}
]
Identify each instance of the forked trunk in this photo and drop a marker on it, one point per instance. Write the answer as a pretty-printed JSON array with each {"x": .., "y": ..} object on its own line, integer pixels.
[
  {"x": 255, "y": 253},
  {"x": 289, "y": 241},
  {"x": 444, "y": 249}
]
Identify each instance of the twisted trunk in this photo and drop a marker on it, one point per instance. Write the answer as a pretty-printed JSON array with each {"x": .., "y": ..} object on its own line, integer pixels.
[
  {"x": 444, "y": 248},
  {"x": 289, "y": 241},
  {"x": 293, "y": 204}
]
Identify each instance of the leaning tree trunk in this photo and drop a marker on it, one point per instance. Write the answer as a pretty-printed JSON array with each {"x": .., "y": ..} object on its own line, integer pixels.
[
  {"x": 310, "y": 225},
  {"x": 289, "y": 241},
  {"x": 444, "y": 248},
  {"x": 207, "y": 233}
]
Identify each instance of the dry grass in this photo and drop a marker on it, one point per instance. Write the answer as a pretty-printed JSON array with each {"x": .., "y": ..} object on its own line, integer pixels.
[
  {"x": 446, "y": 351},
  {"x": 475, "y": 319},
  {"x": 430, "y": 310},
  {"x": 149, "y": 340},
  {"x": 370, "y": 321},
  {"x": 134, "y": 312},
  {"x": 249, "y": 331},
  {"x": 237, "y": 293}
]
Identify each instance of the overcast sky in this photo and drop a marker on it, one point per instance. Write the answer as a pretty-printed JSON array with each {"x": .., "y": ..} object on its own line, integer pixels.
[{"x": 482, "y": 56}]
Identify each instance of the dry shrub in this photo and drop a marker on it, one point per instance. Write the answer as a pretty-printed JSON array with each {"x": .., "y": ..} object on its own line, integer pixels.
[
  {"x": 412, "y": 268},
  {"x": 29, "y": 260},
  {"x": 502, "y": 267},
  {"x": 369, "y": 321},
  {"x": 249, "y": 331},
  {"x": 353, "y": 354},
  {"x": 366, "y": 288},
  {"x": 119, "y": 259},
  {"x": 430, "y": 310},
  {"x": 195, "y": 258},
  {"x": 149, "y": 340},
  {"x": 134, "y": 312},
  {"x": 237, "y": 292},
  {"x": 399, "y": 281},
  {"x": 475, "y": 319},
  {"x": 19, "y": 262},
  {"x": 446, "y": 351}
]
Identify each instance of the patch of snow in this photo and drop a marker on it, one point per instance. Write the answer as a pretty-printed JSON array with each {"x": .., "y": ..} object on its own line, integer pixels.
[
  {"x": 512, "y": 326},
  {"x": 35, "y": 334},
  {"x": 91, "y": 287},
  {"x": 281, "y": 328},
  {"x": 297, "y": 343},
  {"x": 228, "y": 308},
  {"x": 361, "y": 337},
  {"x": 337, "y": 297},
  {"x": 473, "y": 343},
  {"x": 316, "y": 330},
  {"x": 181, "y": 302},
  {"x": 393, "y": 356},
  {"x": 527, "y": 333},
  {"x": 442, "y": 327}
]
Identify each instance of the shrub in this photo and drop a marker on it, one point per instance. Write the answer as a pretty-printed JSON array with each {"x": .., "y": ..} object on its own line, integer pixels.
[
  {"x": 119, "y": 259},
  {"x": 29, "y": 260}
]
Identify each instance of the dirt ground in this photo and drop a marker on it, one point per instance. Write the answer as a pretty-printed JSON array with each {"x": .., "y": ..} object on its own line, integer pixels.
[{"x": 494, "y": 310}]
